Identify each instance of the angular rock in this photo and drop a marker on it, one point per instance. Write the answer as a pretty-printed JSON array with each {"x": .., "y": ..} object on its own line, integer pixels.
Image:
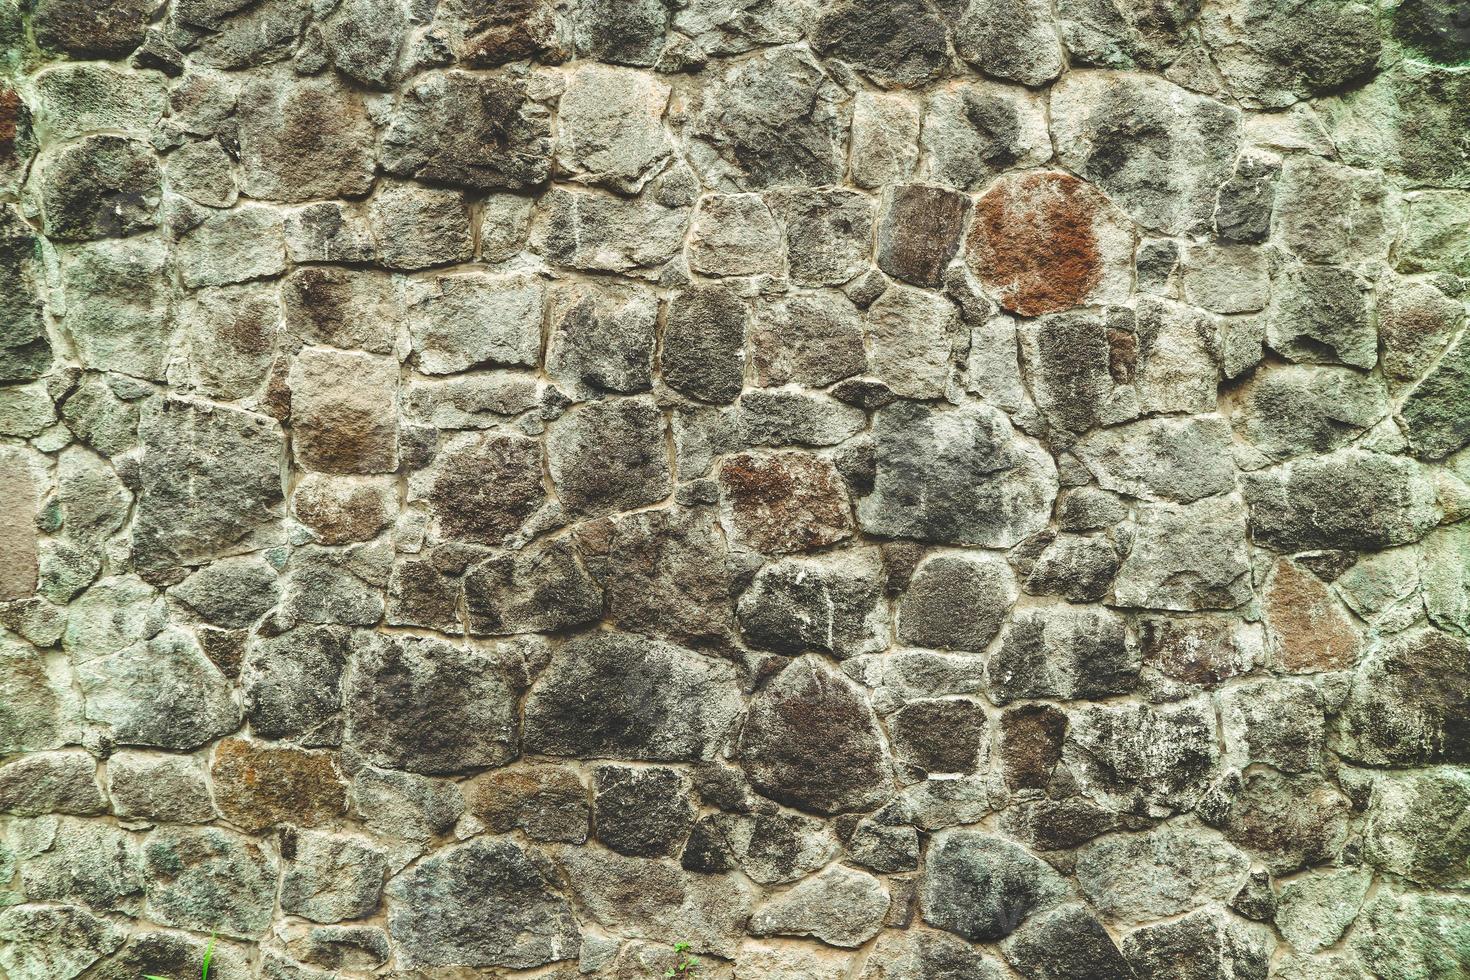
[
  {"x": 885, "y": 139},
  {"x": 162, "y": 692},
  {"x": 1270, "y": 54},
  {"x": 117, "y": 308},
  {"x": 841, "y": 907},
  {"x": 789, "y": 417},
  {"x": 778, "y": 503},
  {"x": 810, "y": 740},
  {"x": 330, "y": 877},
  {"x": 703, "y": 354},
  {"x": 1285, "y": 822},
  {"x": 259, "y": 786},
  {"x": 1326, "y": 212},
  {"x": 1174, "y": 868},
  {"x": 657, "y": 702},
  {"x": 982, "y": 887},
  {"x": 1293, "y": 410},
  {"x": 1408, "y": 701},
  {"x": 51, "y": 782},
  {"x": 939, "y": 736},
  {"x": 1068, "y": 943},
  {"x": 293, "y": 682},
  {"x": 641, "y": 812},
  {"x": 734, "y": 235},
  {"x": 168, "y": 788},
  {"x": 364, "y": 39},
  {"x": 414, "y": 227},
  {"x": 623, "y": 33},
  {"x": 900, "y": 44},
  {"x": 484, "y": 903},
  {"x": 232, "y": 337},
  {"x": 1180, "y": 459},
  {"x": 1080, "y": 366},
  {"x": 1187, "y": 557},
  {"x": 584, "y": 230},
  {"x": 1412, "y": 934},
  {"x": 956, "y": 602},
  {"x": 610, "y": 127},
  {"x": 533, "y": 591},
  {"x": 233, "y": 246},
  {"x": 402, "y": 805},
  {"x": 1141, "y": 759},
  {"x": 1011, "y": 39},
  {"x": 546, "y": 803},
  {"x": 920, "y": 232},
  {"x": 911, "y": 337},
  {"x": 345, "y": 308},
  {"x": 99, "y": 187},
  {"x": 302, "y": 141},
  {"x": 1064, "y": 653},
  {"x": 209, "y": 879},
  {"x": 829, "y": 603},
  {"x": 474, "y": 319},
  {"x": 482, "y": 487},
  {"x": 53, "y": 943},
  {"x": 670, "y": 577},
  {"x": 173, "y": 954},
  {"x": 1321, "y": 315},
  {"x": 610, "y": 456},
  {"x": 1435, "y": 416},
  {"x": 1204, "y": 944},
  {"x": 1315, "y": 910},
  {"x": 1114, "y": 34}
]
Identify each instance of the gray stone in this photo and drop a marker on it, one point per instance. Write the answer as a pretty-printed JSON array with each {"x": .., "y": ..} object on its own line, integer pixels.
[
  {"x": 1321, "y": 315},
  {"x": 1285, "y": 822},
  {"x": 885, "y": 138},
  {"x": 982, "y": 887},
  {"x": 1011, "y": 39},
  {"x": 534, "y": 591},
  {"x": 167, "y": 788},
  {"x": 482, "y": 487},
  {"x": 734, "y": 235},
  {"x": 956, "y": 602},
  {"x": 232, "y": 246},
  {"x": 1434, "y": 413},
  {"x": 71, "y": 860},
  {"x": 1315, "y": 910},
  {"x": 331, "y": 877},
  {"x": 641, "y": 812},
  {"x": 1116, "y": 34},
  {"x": 1407, "y": 702},
  {"x": 610, "y": 456},
  {"x": 1059, "y": 652},
  {"x": 807, "y": 340},
  {"x": 75, "y": 99},
  {"x": 977, "y": 130},
  {"x": 209, "y": 879},
  {"x": 474, "y": 319},
  {"x": 1227, "y": 279},
  {"x": 1180, "y": 459},
  {"x": 174, "y": 954},
  {"x": 1203, "y": 945},
  {"x": 1174, "y": 868},
  {"x": 51, "y": 782},
  {"x": 53, "y": 942},
  {"x": 340, "y": 947},
  {"x": 364, "y": 39},
  {"x": 791, "y": 417},
  {"x": 1326, "y": 212},
  {"x": 1292, "y": 410},
  {"x": 1277, "y": 722},
  {"x": 343, "y": 411},
  {"x": 920, "y": 955},
  {"x": 610, "y": 127},
  {"x": 623, "y": 33},
  {"x": 920, "y": 232},
  {"x": 1152, "y": 761},
  {"x": 1270, "y": 54},
  {"x": 895, "y": 44},
  {"x": 602, "y": 337},
  {"x": 1412, "y": 934},
  {"x": 657, "y": 702},
  {"x": 962, "y": 476},
  {"x": 161, "y": 692},
  {"x": 414, "y": 227},
  {"x": 703, "y": 353},
  {"x": 912, "y": 334},
  {"x": 232, "y": 338},
  {"x": 828, "y": 234},
  {"x": 426, "y": 706},
  {"x": 841, "y": 907},
  {"x": 546, "y": 802},
  {"x": 586, "y": 230},
  {"x": 346, "y": 308},
  {"x": 810, "y": 740},
  {"x": 329, "y": 231},
  {"x": 404, "y": 805},
  {"x": 99, "y": 187},
  {"x": 311, "y": 139},
  {"x": 117, "y": 308},
  {"x": 831, "y": 603},
  {"x": 485, "y": 903},
  {"x": 1069, "y": 362},
  {"x": 1187, "y": 556}
]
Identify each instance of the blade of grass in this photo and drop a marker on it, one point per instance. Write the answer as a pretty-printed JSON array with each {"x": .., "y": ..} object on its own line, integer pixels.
[{"x": 208, "y": 955}]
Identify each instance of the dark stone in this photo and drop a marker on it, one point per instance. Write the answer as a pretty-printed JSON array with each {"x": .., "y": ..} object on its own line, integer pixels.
[
  {"x": 666, "y": 575},
  {"x": 1438, "y": 30},
  {"x": 610, "y": 456},
  {"x": 641, "y": 812},
  {"x": 939, "y": 736},
  {"x": 624, "y": 32},
  {"x": 100, "y": 187},
  {"x": 1067, "y": 944},
  {"x": 1063, "y": 652},
  {"x": 920, "y": 232},
  {"x": 903, "y": 43},
  {"x": 1286, "y": 822},
  {"x": 799, "y": 604},
  {"x": 703, "y": 353},
  {"x": 1409, "y": 703},
  {"x": 293, "y": 682},
  {"x": 85, "y": 29},
  {"x": 1243, "y": 207},
  {"x": 540, "y": 590},
  {"x": 956, "y": 602},
  {"x": 1204, "y": 945},
  {"x": 982, "y": 887},
  {"x": 482, "y": 488},
  {"x": 1031, "y": 737}
]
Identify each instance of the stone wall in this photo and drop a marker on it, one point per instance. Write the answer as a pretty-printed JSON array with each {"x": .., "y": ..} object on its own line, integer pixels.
[{"x": 870, "y": 489}]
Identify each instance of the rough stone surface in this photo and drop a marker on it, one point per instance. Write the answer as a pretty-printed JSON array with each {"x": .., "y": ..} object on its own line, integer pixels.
[{"x": 870, "y": 489}]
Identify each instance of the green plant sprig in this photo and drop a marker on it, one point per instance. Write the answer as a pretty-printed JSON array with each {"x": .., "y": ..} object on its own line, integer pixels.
[
  {"x": 204, "y": 973},
  {"x": 685, "y": 967}
]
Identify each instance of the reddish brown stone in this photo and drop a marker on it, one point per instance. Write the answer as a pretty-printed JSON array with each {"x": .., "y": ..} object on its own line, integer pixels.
[
  {"x": 15, "y": 130},
  {"x": 256, "y": 786},
  {"x": 1035, "y": 242},
  {"x": 784, "y": 502},
  {"x": 1031, "y": 744},
  {"x": 546, "y": 802},
  {"x": 1201, "y": 650},
  {"x": 1309, "y": 629}
]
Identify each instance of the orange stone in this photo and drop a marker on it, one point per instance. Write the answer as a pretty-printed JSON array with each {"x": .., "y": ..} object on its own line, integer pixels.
[{"x": 257, "y": 786}]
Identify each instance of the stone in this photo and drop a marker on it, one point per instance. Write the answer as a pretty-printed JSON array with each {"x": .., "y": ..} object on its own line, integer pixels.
[
  {"x": 233, "y": 246},
  {"x": 885, "y": 138},
  {"x": 174, "y": 954},
  {"x": 895, "y": 45},
  {"x": 1273, "y": 54},
  {"x": 483, "y": 903},
  {"x": 474, "y": 319},
  {"x": 426, "y": 706},
  {"x": 976, "y": 130},
  {"x": 490, "y": 38},
  {"x": 1434, "y": 413},
  {"x": 1187, "y": 557},
  {"x": 167, "y": 788},
  {"x": 1227, "y": 279},
  {"x": 80, "y": 30},
  {"x": 403, "y": 805},
  {"x": 789, "y": 960},
  {"x": 1011, "y": 39},
  {"x": 672, "y": 578},
  {"x": 703, "y": 353},
  {"x": 734, "y": 235},
  {"x": 657, "y": 703},
  {"x": 1078, "y": 568},
  {"x": 922, "y": 955},
  {"x": 209, "y": 879},
  {"x": 477, "y": 400},
  {"x": 1346, "y": 499},
  {"x": 1166, "y": 179},
  {"x": 585, "y": 230},
  {"x": 939, "y": 736},
  {"x": 828, "y": 234},
  {"x": 1079, "y": 366},
  {"x": 783, "y": 502},
  {"x": 1292, "y": 410},
  {"x": 117, "y": 308},
  {"x": 342, "y": 411},
  {"x": 841, "y": 907},
  {"x": 329, "y": 231},
  {"x": 911, "y": 336},
  {"x": 482, "y": 487},
  {"x": 328, "y": 586},
  {"x": 641, "y": 812},
  {"x": 1142, "y": 759},
  {"x": 1046, "y": 242},
  {"x": 342, "y": 510},
  {"x": 260, "y": 786},
  {"x": 920, "y": 232},
  {"x": 1330, "y": 213},
  {"x": 1245, "y": 203},
  {"x": 545, "y": 802},
  {"x": 1030, "y": 744},
  {"x": 958, "y": 476},
  {"x": 444, "y": 121},
  {"x": 51, "y": 782},
  {"x": 956, "y": 602},
  {"x": 1207, "y": 943},
  {"x": 1434, "y": 237},
  {"x": 293, "y": 682},
  {"x": 1179, "y": 459},
  {"x": 1176, "y": 367},
  {"x": 1315, "y": 910},
  {"x": 74, "y": 860},
  {"x": 161, "y": 692},
  {"x": 1286, "y": 822},
  {"x": 303, "y": 141},
  {"x": 364, "y": 39},
  {"x": 1109, "y": 34},
  {"x": 1279, "y": 723},
  {"x": 610, "y": 127},
  {"x": 602, "y": 338},
  {"x": 630, "y": 34},
  {"x": 75, "y": 99},
  {"x": 810, "y": 740},
  {"x": 1408, "y": 934},
  {"x": 1068, "y": 943},
  {"x": 769, "y": 417},
  {"x": 1173, "y": 868},
  {"x": 340, "y": 947},
  {"x": 53, "y": 943},
  {"x": 534, "y": 591},
  {"x": 330, "y": 877},
  {"x": 232, "y": 337},
  {"x": 1446, "y": 595},
  {"x": 770, "y": 848},
  {"x": 415, "y": 227},
  {"x": 610, "y": 456},
  {"x": 327, "y": 305},
  {"x": 1406, "y": 702},
  {"x": 827, "y": 603},
  {"x": 1321, "y": 315},
  {"x": 232, "y": 593},
  {"x": 102, "y": 186},
  {"x": 774, "y": 120},
  {"x": 1058, "y": 652},
  {"x": 982, "y": 887}
]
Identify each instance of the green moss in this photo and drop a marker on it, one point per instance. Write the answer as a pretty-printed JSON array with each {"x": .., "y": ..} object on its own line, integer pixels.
[{"x": 1437, "y": 31}]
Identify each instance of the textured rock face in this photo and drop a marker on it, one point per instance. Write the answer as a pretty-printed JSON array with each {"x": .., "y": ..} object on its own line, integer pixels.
[{"x": 870, "y": 489}]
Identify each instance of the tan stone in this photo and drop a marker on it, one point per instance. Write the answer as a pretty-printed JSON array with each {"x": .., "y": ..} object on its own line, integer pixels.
[
  {"x": 1309, "y": 630},
  {"x": 256, "y": 786}
]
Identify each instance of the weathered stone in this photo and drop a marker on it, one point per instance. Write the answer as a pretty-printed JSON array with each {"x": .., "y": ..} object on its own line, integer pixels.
[
  {"x": 1057, "y": 652},
  {"x": 423, "y": 705},
  {"x": 1435, "y": 414},
  {"x": 609, "y": 121},
  {"x": 414, "y": 227},
  {"x": 471, "y": 320},
  {"x": 602, "y": 338},
  {"x": 364, "y": 39},
  {"x": 1157, "y": 149},
  {"x": 920, "y": 955},
  {"x": 1407, "y": 702},
  {"x": 1187, "y": 556},
  {"x": 1292, "y": 410},
  {"x": 168, "y": 788},
  {"x": 545, "y": 802},
  {"x": 446, "y": 120},
  {"x": 1329, "y": 213},
  {"x": 810, "y": 740},
  {"x": 330, "y": 231},
  {"x": 293, "y": 682},
  {"x": 610, "y": 456},
  {"x": 920, "y": 232},
  {"x": 311, "y": 139},
  {"x": 1346, "y": 499},
  {"x": 533, "y": 591},
  {"x": 901, "y": 44},
  {"x": 51, "y": 782},
  {"x": 768, "y": 848},
  {"x": 788, "y": 417},
  {"x": 1046, "y": 242},
  {"x": 53, "y": 943},
  {"x": 584, "y": 230},
  {"x": 1078, "y": 568},
  {"x": 840, "y": 907},
  {"x": 829, "y": 603},
  {"x": 162, "y": 692},
  {"x": 1276, "y": 722},
  {"x": 623, "y": 33},
  {"x": 1205, "y": 944},
  {"x": 1181, "y": 459},
  {"x": 340, "y": 947},
  {"x": 939, "y": 736},
  {"x": 828, "y": 235},
  {"x": 1113, "y": 34},
  {"x": 983, "y": 887},
  {"x": 656, "y": 702},
  {"x": 771, "y": 121},
  {"x": 962, "y": 476},
  {"x": 911, "y": 337},
  {"x": 1011, "y": 39},
  {"x": 341, "y": 510},
  {"x": 346, "y": 308},
  {"x": 1173, "y": 868},
  {"x": 1412, "y": 934},
  {"x": 1143, "y": 759},
  {"x": 260, "y": 786},
  {"x": 487, "y": 38},
  {"x": 232, "y": 337},
  {"x": 1226, "y": 279},
  {"x": 482, "y": 487},
  {"x": 327, "y": 586},
  {"x": 233, "y": 246},
  {"x": 788, "y": 960},
  {"x": 1079, "y": 367},
  {"x": 1066, "y": 944},
  {"x": 1315, "y": 910},
  {"x": 641, "y": 812},
  {"x": 209, "y": 879},
  {"x": 99, "y": 187},
  {"x": 885, "y": 138},
  {"x": 1176, "y": 367},
  {"x": 734, "y": 235},
  {"x": 778, "y": 503},
  {"x": 956, "y": 602},
  {"x": 703, "y": 354},
  {"x": 403, "y": 805},
  {"x": 1270, "y": 54},
  {"x": 343, "y": 411},
  {"x": 117, "y": 308},
  {"x": 671, "y": 577},
  {"x": 331, "y": 877},
  {"x": 1286, "y": 822},
  {"x": 1321, "y": 315},
  {"x": 1030, "y": 745},
  {"x": 484, "y": 903}
]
